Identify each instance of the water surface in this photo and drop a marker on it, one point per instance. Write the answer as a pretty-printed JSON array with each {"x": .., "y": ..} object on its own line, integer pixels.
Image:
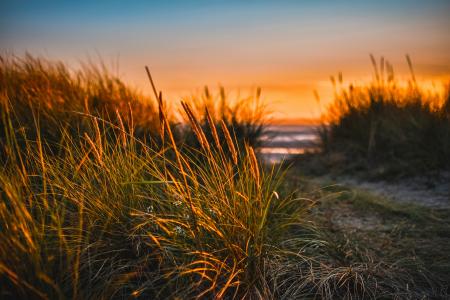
[{"x": 280, "y": 142}]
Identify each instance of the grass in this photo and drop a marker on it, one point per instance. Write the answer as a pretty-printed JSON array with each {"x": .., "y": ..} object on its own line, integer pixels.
[
  {"x": 56, "y": 96},
  {"x": 97, "y": 204},
  {"x": 387, "y": 130},
  {"x": 101, "y": 220},
  {"x": 245, "y": 118},
  {"x": 376, "y": 236},
  {"x": 92, "y": 211}
]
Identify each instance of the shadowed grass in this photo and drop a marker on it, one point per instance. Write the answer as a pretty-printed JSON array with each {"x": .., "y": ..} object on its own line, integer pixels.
[
  {"x": 244, "y": 118},
  {"x": 387, "y": 130}
]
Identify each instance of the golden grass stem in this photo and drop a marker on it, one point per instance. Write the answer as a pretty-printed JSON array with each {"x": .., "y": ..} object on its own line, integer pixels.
[{"x": 229, "y": 140}]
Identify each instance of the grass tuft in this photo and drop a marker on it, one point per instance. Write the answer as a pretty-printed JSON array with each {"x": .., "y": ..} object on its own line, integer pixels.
[{"x": 387, "y": 129}]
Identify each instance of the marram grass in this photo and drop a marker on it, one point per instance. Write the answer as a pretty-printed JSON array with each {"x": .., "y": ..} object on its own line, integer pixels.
[
  {"x": 91, "y": 210},
  {"x": 114, "y": 217},
  {"x": 388, "y": 129},
  {"x": 102, "y": 220}
]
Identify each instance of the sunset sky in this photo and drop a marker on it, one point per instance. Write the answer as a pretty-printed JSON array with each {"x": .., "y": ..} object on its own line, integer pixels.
[{"x": 289, "y": 48}]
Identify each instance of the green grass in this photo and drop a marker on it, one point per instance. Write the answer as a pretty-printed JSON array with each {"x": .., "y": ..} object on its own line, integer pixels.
[
  {"x": 97, "y": 203},
  {"x": 103, "y": 220},
  {"x": 92, "y": 209}
]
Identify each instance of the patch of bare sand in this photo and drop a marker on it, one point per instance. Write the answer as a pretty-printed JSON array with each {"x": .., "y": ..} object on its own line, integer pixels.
[
  {"x": 351, "y": 221},
  {"x": 426, "y": 191},
  {"x": 344, "y": 216}
]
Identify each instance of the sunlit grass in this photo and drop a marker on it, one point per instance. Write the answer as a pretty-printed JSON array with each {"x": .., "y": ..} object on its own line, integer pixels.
[
  {"x": 99, "y": 214},
  {"x": 97, "y": 203},
  {"x": 113, "y": 220}
]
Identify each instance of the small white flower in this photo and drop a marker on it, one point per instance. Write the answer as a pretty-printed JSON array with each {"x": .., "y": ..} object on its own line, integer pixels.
[{"x": 150, "y": 209}]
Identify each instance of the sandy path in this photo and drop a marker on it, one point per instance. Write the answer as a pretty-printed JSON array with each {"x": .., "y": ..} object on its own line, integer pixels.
[{"x": 433, "y": 193}]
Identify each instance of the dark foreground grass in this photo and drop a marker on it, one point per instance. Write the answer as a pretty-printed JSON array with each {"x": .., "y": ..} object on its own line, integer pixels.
[
  {"x": 386, "y": 130},
  {"x": 91, "y": 208}
]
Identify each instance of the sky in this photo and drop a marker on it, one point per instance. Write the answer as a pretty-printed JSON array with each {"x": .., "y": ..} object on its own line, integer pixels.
[{"x": 288, "y": 48}]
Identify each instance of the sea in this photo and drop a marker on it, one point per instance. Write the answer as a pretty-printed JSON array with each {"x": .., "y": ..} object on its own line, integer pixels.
[{"x": 281, "y": 142}]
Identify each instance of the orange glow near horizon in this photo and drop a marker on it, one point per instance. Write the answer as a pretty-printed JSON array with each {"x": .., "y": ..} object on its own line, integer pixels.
[
  {"x": 288, "y": 48},
  {"x": 289, "y": 100}
]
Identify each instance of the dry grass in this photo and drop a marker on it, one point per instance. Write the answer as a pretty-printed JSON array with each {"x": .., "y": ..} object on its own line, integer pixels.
[
  {"x": 102, "y": 214},
  {"x": 388, "y": 129},
  {"x": 91, "y": 208}
]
